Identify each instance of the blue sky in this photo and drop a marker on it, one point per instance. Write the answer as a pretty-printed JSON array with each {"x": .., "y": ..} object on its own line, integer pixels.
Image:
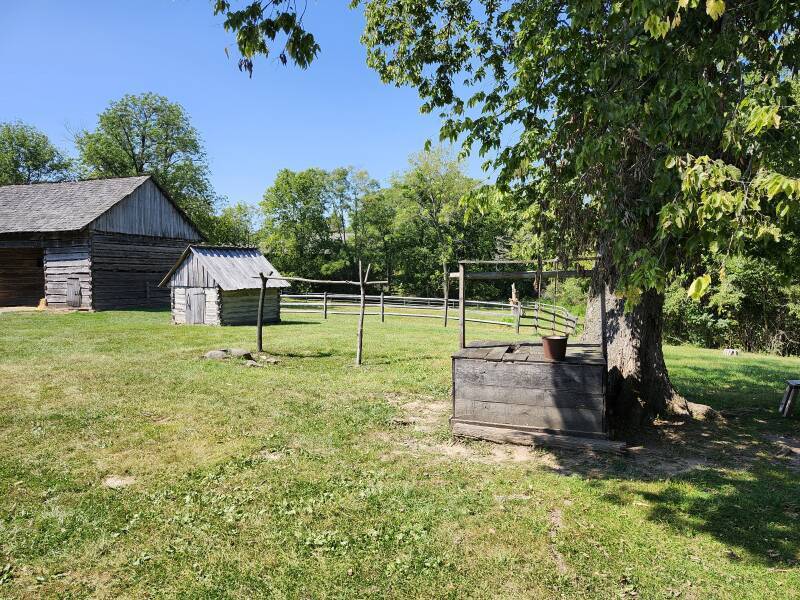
[{"x": 63, "y": 62}]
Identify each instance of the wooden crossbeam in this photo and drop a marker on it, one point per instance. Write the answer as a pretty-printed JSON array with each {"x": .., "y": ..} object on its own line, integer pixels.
[{"x": 520, "y": 275}]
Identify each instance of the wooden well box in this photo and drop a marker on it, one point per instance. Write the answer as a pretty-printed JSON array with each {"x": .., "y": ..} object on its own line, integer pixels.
[{"x": 512, "y": 393}]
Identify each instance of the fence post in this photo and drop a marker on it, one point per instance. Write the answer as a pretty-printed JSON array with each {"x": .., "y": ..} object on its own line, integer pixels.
[
  {"x": 518, "y": 317},
  {"x": 362, "y": 278},
  {"x": 382, "y": 313},
  {"x": 461, "y": 310},
  {"x": 324, "y": 305}
]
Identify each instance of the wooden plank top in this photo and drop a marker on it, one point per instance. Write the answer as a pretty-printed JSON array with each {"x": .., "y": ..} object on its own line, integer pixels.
[{"x": 577, "y": 353}]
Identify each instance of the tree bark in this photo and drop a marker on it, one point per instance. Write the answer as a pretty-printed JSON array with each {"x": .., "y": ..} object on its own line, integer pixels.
[{"x": 639, "y": 387}]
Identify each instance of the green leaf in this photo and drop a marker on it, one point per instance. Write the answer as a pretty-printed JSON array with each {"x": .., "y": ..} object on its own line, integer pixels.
[
  {"x": 715, "y": 8},
  {"x": 699, "y": 287}
]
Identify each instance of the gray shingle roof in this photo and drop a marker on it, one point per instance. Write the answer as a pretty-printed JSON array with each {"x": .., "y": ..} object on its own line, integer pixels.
[
  {"x": 231, "y": 267},
  {"x": 65, "y": 206}
]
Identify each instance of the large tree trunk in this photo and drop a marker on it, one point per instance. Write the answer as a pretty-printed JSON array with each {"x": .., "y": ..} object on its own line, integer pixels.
[{"x": 639, "y": 388}]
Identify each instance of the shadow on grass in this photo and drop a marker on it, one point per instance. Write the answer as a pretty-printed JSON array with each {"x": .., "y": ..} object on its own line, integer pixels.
[
  {"x": 754, "y": 511},
  {"x": 736, "y": 479},
  {"x": 731, "y": 386}
]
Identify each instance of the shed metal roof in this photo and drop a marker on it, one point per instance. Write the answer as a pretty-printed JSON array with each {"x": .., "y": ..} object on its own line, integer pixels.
[
  {"x": 233, "y": 268},
  {"x": 62, "y": 206}
]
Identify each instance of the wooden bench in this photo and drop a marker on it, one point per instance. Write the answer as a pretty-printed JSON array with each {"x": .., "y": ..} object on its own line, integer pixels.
[{"x": 789, "y": 397}]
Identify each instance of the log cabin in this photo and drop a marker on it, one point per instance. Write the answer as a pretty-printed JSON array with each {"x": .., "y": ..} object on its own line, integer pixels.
[{"x": 89, "y": 245}]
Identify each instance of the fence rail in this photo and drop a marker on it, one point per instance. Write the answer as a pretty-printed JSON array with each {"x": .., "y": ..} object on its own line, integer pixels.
[{"x": 543, "y": 318}]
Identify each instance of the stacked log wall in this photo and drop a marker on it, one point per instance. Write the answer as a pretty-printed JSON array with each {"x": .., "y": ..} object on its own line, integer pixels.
[
  {"x": 241, "y": 307},
  {"x": 127, "y": 269},
  {"x": 64, "y": 260},
  {"x": 21, "y": 276},
  {"x": 179, "y": 305}
]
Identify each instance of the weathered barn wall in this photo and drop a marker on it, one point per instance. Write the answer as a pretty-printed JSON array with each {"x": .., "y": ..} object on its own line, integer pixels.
[
  {"x": 147, "y": 211},
  {"x": 21, "y": 276},
  {"x": 68, "y": 273},
  {"x": 241, "y": 307},
  {"x": 126, "y": 269}
]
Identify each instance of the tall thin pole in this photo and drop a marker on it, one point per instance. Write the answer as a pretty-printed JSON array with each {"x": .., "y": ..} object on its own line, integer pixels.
[
  {"x": 382, "y": 307},
  {"x": 446, "y": 290},
  {"x": 461, "y": 308},
  {"x": 260, "y": 317},
  {"x": 362, "y": 278},
  {"x": 324, "y": 305}
]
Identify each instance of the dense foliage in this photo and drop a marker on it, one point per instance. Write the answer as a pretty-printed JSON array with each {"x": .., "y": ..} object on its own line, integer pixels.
[
  {"x": 755, "y": 307},
  {"x": 321, "y": 223},
  {"x": 148, "y": 134},
  {"x": 28, "y": 156}
]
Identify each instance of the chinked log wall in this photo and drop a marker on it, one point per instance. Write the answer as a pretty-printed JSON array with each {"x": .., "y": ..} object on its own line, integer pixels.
[
  {"x": 68, "y": 262},
  {"x": 126, "y": 269},
  {"x": 211, "y": 314},
  {"x": 241, "y": 307},
  {"x": 21, "y": 276}
]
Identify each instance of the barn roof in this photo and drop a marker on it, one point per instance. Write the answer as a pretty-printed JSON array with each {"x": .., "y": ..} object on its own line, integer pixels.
[
  {"x": 62, "y": 206},
  {"x": 231, "y": 267}
]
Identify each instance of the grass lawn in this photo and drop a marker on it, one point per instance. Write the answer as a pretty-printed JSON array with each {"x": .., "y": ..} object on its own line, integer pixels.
[{"x": 312, "y": 478}]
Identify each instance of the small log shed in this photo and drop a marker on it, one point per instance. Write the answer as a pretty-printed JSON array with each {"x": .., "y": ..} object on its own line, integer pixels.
[{"x": 220, "y": 285}]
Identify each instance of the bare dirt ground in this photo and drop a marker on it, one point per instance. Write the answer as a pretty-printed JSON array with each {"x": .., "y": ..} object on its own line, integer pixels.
[{"x": 667, "y": 449}]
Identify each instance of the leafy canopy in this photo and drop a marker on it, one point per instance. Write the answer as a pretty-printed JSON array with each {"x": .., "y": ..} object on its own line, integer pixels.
[
  {"x": 657, "y": 130},
  {"x": 148, "y": 134},
  {"x": 28, "y": 156}
]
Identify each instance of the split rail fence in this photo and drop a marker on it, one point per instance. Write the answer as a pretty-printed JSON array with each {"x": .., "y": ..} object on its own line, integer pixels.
[{"x": 543, "y": 318}]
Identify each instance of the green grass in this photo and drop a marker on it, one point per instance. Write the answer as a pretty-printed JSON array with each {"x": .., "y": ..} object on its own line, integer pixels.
[{"x": 314, "y": 478}]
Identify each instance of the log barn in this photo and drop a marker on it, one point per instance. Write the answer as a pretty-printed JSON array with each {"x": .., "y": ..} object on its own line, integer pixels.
[
  {"x": 221, "y": 285},
  {"x": 92, "y": 245}
]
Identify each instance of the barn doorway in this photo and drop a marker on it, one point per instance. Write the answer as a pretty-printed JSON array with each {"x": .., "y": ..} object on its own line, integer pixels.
[
  {"x": 196, "y": 306},
  {"x": 21, "y": 276}
]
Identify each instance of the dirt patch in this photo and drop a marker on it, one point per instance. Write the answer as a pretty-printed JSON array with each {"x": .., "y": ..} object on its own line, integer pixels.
[
  {"x": 786, "y": 448},
  {"x": 555, "y": 521},
  {"x": 668, "y": 449},
  {"x": 423, "y": 414},
  {"x": 269, "y": 455},
  {"x": 117, "y": 482}
]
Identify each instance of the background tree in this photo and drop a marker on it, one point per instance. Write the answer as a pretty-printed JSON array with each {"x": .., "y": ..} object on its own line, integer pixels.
[
  {"x": 236, "y": 225},
  {"x": 346, "y": 189},
  {"x": 435, "y": 185},
  {"x": 28, "y": 156},
  {"x": 297, "y": 233},
  {"x": 148, "y": 134}
]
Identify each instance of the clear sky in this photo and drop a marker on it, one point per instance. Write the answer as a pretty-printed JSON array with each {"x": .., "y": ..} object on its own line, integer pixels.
[{"x": 62, "y": 62}]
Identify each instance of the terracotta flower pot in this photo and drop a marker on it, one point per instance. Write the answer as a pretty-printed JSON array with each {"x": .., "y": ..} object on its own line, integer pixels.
[{"x": 554, "y": 346}]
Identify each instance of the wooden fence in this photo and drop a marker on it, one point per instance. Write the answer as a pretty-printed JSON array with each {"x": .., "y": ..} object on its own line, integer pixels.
[{"x": 543, "y": 318}]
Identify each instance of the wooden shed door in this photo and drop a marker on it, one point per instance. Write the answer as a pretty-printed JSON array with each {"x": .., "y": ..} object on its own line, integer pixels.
[
  {"x": 73, "y": 292},
  {"x": 196, "y": 306}
]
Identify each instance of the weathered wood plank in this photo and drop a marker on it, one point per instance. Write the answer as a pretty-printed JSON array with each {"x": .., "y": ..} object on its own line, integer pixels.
[
  {"x": 528, "y": 437},
  {"x": 496, "y": 353},
  {"x": 560, "y": 376},
  {"x": 545, "y": 417},
  {"x": 529, "y": 396}
]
